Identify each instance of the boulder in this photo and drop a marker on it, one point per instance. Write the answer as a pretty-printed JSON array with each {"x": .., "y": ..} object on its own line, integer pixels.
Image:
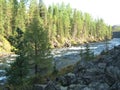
[
  {"x": 99, "y": 86},
  {"x": 63, "y": 88},
  {"x": 76, "y": 87},
  {"x": 115, "y": 86},
  {"x": 68, "y": 79},
  {"x": 51, "y": 86},
  {"x": 113, "y": 72},
  {"x": 39, "y": 87}
]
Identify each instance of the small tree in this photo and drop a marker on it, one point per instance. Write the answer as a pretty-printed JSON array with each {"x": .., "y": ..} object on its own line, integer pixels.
[
  {"x": 38, "y": 47},
  {"x": 106, "y": 44},
  {"x": 81, "y": 53},
  {"x": 18, "y": 71},
  {"x": 19, "y": 68},
  {"x": 88, "y": 54}
]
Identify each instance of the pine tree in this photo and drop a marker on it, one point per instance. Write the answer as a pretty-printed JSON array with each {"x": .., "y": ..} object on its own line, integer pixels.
[
  {"x": 14, "y": 7},
  {"x": 21, "y": 15},
  {"x": 18, "y": 71},
  {"x": 8, "y": 18},
  {"x": 88, "y": 54},
  {"x": 38, "y": 45},
  {"x": 43, "y": 12},
  {"x": 66, "y": 24},
  {"x": 2, "y": 2},
  {"x": 74, "y": 24}
]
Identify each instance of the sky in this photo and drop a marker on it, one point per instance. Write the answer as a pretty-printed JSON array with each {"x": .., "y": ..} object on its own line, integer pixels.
[{"x": 108, "y": 10}]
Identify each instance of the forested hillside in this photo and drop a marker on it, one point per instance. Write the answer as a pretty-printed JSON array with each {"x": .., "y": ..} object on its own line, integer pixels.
[{"x": 63, "y": 24}]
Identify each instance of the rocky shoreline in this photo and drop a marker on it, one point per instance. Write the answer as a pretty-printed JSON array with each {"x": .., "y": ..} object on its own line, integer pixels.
[{"x": 100, "y": 74}]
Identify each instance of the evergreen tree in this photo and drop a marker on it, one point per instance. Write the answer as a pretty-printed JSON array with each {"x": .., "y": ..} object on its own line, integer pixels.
[
  {"x": 2, "y": 2},
  {"x": 7, "y": 19},
  {"x": 43, "y": 12},
  {"x": 38, "y": 45},
  {"x": 18, "y": 71},
  {"x": 14, "y": 7},
  {"x": 66, "y": 24},
  {"x": 88, "y": 54},
  {"x": 61, "y": 21},
  {"x": 32, "y": 7},
  {"x": 21, "y": 15},
  {"x": 50, "y": 23},
  {"x": 74, "y": 24}
]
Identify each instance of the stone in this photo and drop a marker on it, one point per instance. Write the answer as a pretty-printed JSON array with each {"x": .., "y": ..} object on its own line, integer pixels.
[
  {"x": 99, "y": 86},
  {"x": 88, "y": 88},
  {"x": 63, "y": 81},
  {"x": 102, "y": 65},
  {"x": 68, "y": 79},
  {"x": 38, "y": 87},
  {"x": 76, "y": 87},
  {"x": 71, "y": 77},
  {"x": 63, "y": 88},
  {"x": 113, "y": 72},
  {"x": 115, "y": 86},
  {"x": 51, "y": 86}
]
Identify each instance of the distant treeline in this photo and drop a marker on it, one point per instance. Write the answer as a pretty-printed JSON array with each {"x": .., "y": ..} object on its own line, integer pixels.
[
  {"x": 63, "y": 24},
  {"x": 116, "y": 28}
]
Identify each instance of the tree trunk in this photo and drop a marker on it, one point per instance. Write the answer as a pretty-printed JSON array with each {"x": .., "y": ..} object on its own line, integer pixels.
[
  {"x": 36, "y": 53},
  {"x": 36, "y": 69}
]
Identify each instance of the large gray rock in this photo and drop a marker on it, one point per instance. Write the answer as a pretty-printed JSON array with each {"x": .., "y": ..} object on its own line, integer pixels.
[
  {"x": 82, "y": 66},
  {"x": 39, "y": 87},
  {"x": 76, "y": 87},
  {"x": 113, "y": 72},
  {"x": 88, "y": 88},
  {"x": 68, "y": 79},
  {"x": 102, "y": 65},
  {"x": 52, "y": 86},
  {"x": 99, "y": 86},
  {"x": 115, "y": 86},
  {"x": 63, "y": 88}
]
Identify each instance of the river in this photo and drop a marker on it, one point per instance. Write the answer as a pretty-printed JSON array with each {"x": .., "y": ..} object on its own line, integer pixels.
[{"x": 63, "y": 56}]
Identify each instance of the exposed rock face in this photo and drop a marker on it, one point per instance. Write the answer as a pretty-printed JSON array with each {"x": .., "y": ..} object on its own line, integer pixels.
[
  {"x": 38, "y": 87},
  {"x": 52, "y": 86},
  {"x": 101, "y": 74}
]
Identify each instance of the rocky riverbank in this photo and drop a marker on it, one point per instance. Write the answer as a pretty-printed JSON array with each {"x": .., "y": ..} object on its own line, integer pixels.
[{"x": 100, "y": 74}]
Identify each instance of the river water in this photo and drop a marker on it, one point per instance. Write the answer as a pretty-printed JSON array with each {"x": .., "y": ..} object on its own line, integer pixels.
[
  {"x": 63, "y": 56},
  {"x": 69, "y": 56}
]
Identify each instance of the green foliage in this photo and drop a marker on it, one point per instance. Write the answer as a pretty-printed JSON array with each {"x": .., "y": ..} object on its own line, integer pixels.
[
  {"x": 17, "y": 41},
  {"x": 106, "y": 44},
  {"x": 88, "y": 54},
  {"x": 18, "y": 71},
  {"x": 38, "y": 47},
  {"x": 60, "y": 21},
  {"x": 81, "y": 53}
]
